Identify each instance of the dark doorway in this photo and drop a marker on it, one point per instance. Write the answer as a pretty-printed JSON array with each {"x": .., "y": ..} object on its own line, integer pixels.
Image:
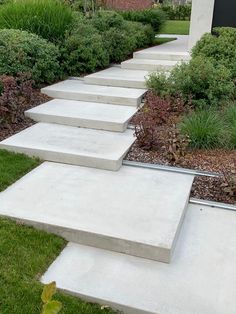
[{"x": 224, "y": 13}]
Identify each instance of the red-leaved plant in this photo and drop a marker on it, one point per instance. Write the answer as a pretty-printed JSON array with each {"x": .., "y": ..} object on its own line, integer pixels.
[
  {"x": 154, "y": 113},
  {"x": 15, "y": 94}
]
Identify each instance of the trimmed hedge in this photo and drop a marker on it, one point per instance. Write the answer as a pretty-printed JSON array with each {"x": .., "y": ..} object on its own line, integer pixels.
[
  {"x": 154, "y": 17},
  {"x": 21, "y": 52}
]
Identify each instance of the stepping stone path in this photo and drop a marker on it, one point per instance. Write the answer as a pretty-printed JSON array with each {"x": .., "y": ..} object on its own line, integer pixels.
[{"x": 123, "y": 222}]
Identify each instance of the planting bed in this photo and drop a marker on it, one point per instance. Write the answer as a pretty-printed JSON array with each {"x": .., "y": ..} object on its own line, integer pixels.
[
  {"x": 21, "y": 122},
  {"x": 213, "y": 160}
]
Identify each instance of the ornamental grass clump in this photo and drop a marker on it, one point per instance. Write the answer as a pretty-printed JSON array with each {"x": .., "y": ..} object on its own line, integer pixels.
[
  {"x": 205, "y": 129},
  {"x": 47, "y": 18}
]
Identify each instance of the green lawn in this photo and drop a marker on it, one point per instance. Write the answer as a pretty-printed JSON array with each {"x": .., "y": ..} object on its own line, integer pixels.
[
  {"x": 26, "y": 253},
  {"x": 176, "y": 27},
  {"x": 160, "y": 41}
]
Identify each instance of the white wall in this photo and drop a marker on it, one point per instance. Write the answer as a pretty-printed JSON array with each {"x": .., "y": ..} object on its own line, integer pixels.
[{"x": 201, "y": 20}]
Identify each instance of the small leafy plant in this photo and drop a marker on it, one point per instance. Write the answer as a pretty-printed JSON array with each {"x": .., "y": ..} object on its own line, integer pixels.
[
  {"x": 177, "y": 145},
  {"x": 154, "y": 113},
  {"x": 229, "y": 183},
  {"x": 50, "y": 306},
  {"x": 15, "y": 94}
]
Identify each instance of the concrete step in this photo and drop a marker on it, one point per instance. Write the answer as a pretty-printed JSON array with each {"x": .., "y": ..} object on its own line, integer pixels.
[
  {"x": 148, "y": 64},
  {"x": 135, "y": 211},
  {"x": 67, "y": 144},
  {"x": 203, "y": 267},
  {"x": 83, "y": 114},
  {"x": 115, "y": 76},
  {"x": 78, "y": 90},
  {"x": 154, "y": 54}
]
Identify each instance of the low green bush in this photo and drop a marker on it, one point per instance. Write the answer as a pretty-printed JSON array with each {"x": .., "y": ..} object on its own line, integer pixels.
[
  {"x": 47, "y": 18},
  {"x": 144, "y": 34},
  {"x": 104, "y": 20},
  {"x": 199, "y": 82},
  {"x": 205, "y": 129},
  {"x": 83, "y": 50},
  {"x": 219, "y": 47},
  {"x": 118, "y": 44},
  {"x": 154, "y": 17},
  {"x": 22, "y": 52},
  {"x": 120, "y": 37}
]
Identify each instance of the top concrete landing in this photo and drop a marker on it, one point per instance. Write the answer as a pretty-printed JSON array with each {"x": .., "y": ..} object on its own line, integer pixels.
[{"x": 174, "y": 50}]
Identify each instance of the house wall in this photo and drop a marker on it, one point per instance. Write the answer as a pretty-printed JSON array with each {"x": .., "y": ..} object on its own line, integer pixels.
[{"x": 129, "y": 5}]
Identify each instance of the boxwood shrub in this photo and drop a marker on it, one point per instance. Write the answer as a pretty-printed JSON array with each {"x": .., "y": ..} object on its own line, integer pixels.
[
  {"x": 200, "y": 82},
  {"x": 21, "y": 52},
  {"x": 154, "y": 17},
  {"x": 219, "y": 47},
  {"x": 83, "y": 50},
  {"x": 121, "y": 37}
]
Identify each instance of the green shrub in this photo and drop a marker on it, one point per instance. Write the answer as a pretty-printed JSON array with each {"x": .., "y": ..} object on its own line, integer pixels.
[
  {"x": 46, "y": 18},
  {"x": 205, "y": 129},
  {"x": 83, "y": 50},
  {"x": 118, "y": 38},
  {"x": 199, "y": 82},
  {"x": 177, "y": 12},
  {"x": 22, "y": 52},
  {"x": 118, "y": 44},
  {"x": 104, "y": 20},
  {"x": 219, "y": 47},
  {"x": 154, "y": 17},
  {"x": 144, "y": 34}
]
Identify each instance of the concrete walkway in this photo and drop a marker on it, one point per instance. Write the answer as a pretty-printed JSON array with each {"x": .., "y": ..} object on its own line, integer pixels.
[{"x": 123, "y": 222}]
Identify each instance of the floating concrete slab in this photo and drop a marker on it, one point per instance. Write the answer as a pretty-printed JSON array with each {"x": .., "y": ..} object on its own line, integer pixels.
[
  {"x": 200, "y": 280},
  {"x": 135, "y": 211},
  {"x": 159, "y": 55},
  {"x": 78, "y": 90},
  {"x": 115, "y": 76},
  {"x": 83, "y": 114},
  {"x": 77, "y": 146},
  {"x": 176, "y": 50},
  {"x": 148, "y": 64}
]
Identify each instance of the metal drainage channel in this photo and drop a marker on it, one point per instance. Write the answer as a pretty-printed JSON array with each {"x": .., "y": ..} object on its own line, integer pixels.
[{"x": 184, "y": 171}]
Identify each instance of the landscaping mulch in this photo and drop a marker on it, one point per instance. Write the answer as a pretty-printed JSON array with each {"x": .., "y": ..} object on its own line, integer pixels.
[
  {"x": 22, "y": 121},
  {"x": 214, "y": 160}
]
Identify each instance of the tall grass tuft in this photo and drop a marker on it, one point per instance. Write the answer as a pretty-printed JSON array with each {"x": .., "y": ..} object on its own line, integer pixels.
[
  {"x": 205, "y": 129},
  {"x": 47, "y": 18},
  {"x": 230, "y": 119}
]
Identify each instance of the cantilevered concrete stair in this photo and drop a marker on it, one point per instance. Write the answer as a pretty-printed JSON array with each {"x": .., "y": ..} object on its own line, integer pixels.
[
  {"x": 83, "y": 114},
  {"x": 125, "y": 221}
]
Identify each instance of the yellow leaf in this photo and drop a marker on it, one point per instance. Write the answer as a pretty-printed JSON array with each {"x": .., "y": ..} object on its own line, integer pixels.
[{"x": 48, "y": 291}]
